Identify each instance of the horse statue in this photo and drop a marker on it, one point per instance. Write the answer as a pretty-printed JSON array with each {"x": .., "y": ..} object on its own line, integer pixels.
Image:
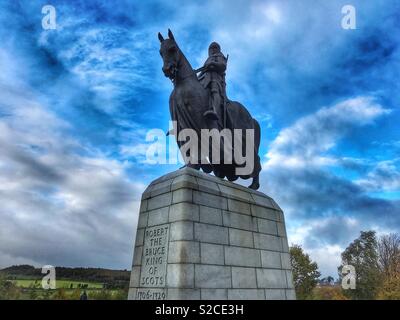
[{"x": 188, "y": 103}]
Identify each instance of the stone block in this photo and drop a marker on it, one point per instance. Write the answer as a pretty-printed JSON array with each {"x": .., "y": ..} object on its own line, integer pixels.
[
  {"x": 211, "y": 234},
  {"x": 276, "y": 205},
  {"x": 184, "y": 252},
  {"x": 210, "y": 200},
  {"x": 162, "y": 200},
  {"x": 239, "y": 221},
  {"x": 285, "y": 260},
  {"x": 183, "y": 211},
  {"x": 281, "y": 229},
  {"x": 270, "y": 259},
  {"x": 182, "y": 195},
  {"x": 271, "y": 278},
  {"x": 143, "y": 206},
  {"x": 184, "y": 181},
  {"x": 267, "y": 242},
  {"x": 239, "y": 206},
  {"x": 289, "y": 279},
  {"x": 160, "y": 188},
  {"x": 267, "y": 226},
  {"x": 290, "y": 294},
  {"x": 180, "y": 276},
  {"x": 209, "y": 276},
  {"x": 158, "y": 216},
  {"x": 264, "y": 213},
  {"x": 139, "y": 237},
  {"x": 235, "y": 193},
  {"x": 208, "y": 186},
  {"x": 262, "y": 201},
  {"x": 285, "y": 245},
  {"x": 275, "y": 294},
  {"x": 142, "y": 222},
  {"x": 135, "y": 275},
  {"x": 137, "y": 256},
  {"x": 212, "y": 253},
  {"x": 242, "y": 257},
  {"x": 210, "y": 215},
  {"x": 244, "y": 278},
  {"x": 241, "y": 238},
  {"x": 181, "y": 230}
]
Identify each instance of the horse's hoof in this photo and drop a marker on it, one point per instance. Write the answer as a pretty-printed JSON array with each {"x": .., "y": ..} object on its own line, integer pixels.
[
  {"x": 206, "y": 168},
  {"x": 254, "y": 185}
]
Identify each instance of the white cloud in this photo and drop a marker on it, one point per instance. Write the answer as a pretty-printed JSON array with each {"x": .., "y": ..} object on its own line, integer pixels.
[
  {"x": 324, "y": 239},
  {"x": 306, "y": 141},
  {"x": 385, "y": 176},
  {"x": 62, "y": 203},
  {"x": 324, "y": 213},
  {"x": 271, "y": 12},
  {"x": 328, "y": 258}
]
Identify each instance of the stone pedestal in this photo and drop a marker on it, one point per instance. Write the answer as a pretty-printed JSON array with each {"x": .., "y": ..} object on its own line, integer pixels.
[{"x": 200, "y": 237}]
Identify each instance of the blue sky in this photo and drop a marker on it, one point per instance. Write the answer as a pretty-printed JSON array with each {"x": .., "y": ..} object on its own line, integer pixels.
[{"x": 76, "y": 104}]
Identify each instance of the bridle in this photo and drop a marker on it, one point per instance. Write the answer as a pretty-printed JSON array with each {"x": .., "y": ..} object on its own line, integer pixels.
[{"x": 176, "y": 74}]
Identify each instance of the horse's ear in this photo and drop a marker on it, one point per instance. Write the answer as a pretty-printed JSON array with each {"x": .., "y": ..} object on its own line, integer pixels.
[
  {"x": 170, "y": 35},
  {"x": 160, "y": 37}
]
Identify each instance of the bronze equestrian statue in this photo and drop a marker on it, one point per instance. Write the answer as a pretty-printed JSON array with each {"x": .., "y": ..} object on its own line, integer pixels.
[{"x": 200, "y": 102}]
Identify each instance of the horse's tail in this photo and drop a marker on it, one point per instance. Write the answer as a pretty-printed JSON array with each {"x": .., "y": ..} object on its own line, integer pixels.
[
  {"x": 257, "y": 142},
  {"x": 257, "y": 134}
]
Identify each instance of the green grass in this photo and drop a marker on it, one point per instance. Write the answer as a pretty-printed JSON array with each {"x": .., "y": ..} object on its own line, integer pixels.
[{"x": 66, "y": 284}]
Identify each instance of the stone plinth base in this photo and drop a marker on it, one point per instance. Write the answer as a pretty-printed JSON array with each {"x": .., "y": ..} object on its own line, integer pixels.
[{"x": 200, "y": 237}]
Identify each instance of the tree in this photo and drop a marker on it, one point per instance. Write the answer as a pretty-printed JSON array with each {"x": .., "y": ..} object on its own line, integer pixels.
[
  {"x": 362, "y": 254},
  {"x": 9, "y": 290},
  {"x": 390, "y": 289},
  {"x": 305, "y": 272},
  {"x": 389, "y": 254},
  {"x": 389, "y": 263}
]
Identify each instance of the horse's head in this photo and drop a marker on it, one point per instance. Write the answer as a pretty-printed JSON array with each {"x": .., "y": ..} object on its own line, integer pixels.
[{"x": 170, "y": 54}]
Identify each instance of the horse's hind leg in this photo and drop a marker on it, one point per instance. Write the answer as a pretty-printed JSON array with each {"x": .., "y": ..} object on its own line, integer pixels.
[{"x": 256, "y": 182}]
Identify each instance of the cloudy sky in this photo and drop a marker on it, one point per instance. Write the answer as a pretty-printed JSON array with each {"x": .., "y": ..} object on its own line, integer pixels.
[{"x": 77, "y": 102}]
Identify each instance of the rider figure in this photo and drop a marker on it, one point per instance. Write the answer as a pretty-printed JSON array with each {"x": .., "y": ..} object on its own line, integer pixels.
[{"x": 213, "y": 78}]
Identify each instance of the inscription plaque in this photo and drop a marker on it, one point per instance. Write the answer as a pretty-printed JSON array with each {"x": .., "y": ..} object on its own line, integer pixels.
[
  {"x": 154, "y": 260},
  {"x": 151, "y": 294}
]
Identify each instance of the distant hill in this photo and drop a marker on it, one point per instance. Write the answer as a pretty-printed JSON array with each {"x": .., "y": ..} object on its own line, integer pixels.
[{"x": 112, "y": 278}]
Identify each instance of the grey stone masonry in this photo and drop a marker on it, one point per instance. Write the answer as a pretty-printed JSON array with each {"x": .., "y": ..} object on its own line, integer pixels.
[{"x": 200, "y": 237}]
